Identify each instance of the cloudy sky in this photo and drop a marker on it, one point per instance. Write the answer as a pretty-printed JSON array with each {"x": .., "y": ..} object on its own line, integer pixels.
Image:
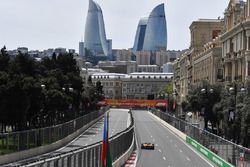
[{"x": 42, "y": 24}]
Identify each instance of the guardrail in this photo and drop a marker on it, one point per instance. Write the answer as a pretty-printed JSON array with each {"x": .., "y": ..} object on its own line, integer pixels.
[
  {"x": 230, "y": 152},
  {"x": 24, "y": 140},
  {"x": 89, "y": 156}
]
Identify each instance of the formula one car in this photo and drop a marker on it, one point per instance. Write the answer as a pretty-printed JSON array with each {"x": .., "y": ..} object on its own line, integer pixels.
[{"x": 148, "y": 146}]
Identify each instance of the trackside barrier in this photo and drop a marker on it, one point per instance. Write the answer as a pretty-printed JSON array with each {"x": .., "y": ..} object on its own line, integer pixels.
[
  {"x": 89, "y": 156},
  {"x": 227, "y": 151},
  {"x": 209, "y": 154},
  {"x": 39, "y": 141}
]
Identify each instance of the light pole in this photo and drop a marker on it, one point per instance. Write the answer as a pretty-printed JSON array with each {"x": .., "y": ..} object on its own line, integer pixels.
[
  {"x": 205, "y": 92},
  {"x": 232, "y": 115},
  {"x": 167, "y": 95},
  {"x": 68, "y": 89},
  {"x": 175, "y": 104}
]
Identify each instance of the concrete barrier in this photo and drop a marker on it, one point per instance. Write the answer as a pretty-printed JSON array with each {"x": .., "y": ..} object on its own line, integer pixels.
[
  {"x": 196, "y": 145},
  {"x": 170, "y": 127},
  {"x": 207, "y": 153},
  {"x": 17, "y": 156},
  {"x": 121, "y": 161}
]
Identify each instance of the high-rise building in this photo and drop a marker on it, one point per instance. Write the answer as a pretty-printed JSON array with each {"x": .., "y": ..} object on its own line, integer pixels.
[
  {"x": 151, "y": 34},
  {"x": 95, "y": 37},
  {"x": 140, "y": 34},
  {"x": 81, "y": 49},
  {"x": 156, "y": 31}
]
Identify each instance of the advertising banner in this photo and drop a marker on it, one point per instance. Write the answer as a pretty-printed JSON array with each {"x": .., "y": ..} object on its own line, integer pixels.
[{"x": 133, "y": 102}]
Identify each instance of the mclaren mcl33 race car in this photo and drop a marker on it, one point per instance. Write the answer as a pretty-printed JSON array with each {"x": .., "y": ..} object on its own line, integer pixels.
[{"x": 147, "y": 146}]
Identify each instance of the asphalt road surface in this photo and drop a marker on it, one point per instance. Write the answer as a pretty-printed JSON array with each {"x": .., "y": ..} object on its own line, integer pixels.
[
  {"x": 170, "y": 150},
  {"x": 119, "y": 120}
]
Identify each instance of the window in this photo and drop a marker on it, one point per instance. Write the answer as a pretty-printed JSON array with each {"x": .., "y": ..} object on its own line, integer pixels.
[
  {"x": 220, "y": 74},
  {"x": 216, "y": 33},
  {"x": 248, "y": 68}
]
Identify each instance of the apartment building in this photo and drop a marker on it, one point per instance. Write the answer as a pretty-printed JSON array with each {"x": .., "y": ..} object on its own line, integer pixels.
[{"x": 236, "y": 42}]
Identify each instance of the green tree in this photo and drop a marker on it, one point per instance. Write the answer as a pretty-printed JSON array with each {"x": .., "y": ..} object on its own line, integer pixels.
[
  {"x": 4, "y": 59},
  {"x": 205, "y": 101}
]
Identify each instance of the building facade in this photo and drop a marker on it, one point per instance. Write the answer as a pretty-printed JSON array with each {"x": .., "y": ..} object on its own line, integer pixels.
[
  {"x": 81, "y": 49},
  {"x": 202, "y": 32},
  {"x": 181, "y": 74},
  {"x": 122, "y": 54},
  {"x": 207, "y": 64},
  {"x": 151, "y": 34},
  {"x": 145, "y": 58},
  {"x": 168, "y": 67},
  {"x": 95, "y": 36},
  {"x": 140, "y": 34},
  {"x": 122, "y": 67},
  {"x": 144, "y": 85},
  {"x": 236, "y": 41},
  {"x": 148, "y": 68},
  {"x": 132, "y": 86},
  {"x": 111, "y": 82}
]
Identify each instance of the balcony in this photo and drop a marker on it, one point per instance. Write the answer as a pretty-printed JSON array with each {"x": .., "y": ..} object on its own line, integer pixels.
[
  {"x": 219, "y": 77},
  {"x": 238, "y": 78},
  {"x": 228, "y": 78}
]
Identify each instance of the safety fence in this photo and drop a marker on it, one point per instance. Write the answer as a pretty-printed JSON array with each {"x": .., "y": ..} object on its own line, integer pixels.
[
  {"x": 24, "y": 140},
  {"x": 88, "y": 156},
  {"x": 230, "y": 152}
]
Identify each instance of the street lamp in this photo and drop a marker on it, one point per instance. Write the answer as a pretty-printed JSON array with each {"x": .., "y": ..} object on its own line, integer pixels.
[
  {"x": 167, "y": 95},
  {"x": 205, "y": 92},
  {"x": 232, "y": 115}
]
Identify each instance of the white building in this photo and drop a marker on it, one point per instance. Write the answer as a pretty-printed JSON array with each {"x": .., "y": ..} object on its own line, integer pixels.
[
  {"x": 148, "y": 68},
  {"x": 168, "y": 67},
  {"x": 132, "y": 86},
  {"x": 111, "y": 82},
  {"x": 144, "y": 85}
]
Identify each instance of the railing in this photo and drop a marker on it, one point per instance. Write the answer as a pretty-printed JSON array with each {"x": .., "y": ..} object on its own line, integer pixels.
[
  {"x": 225, "y": 149},
  {"x": 89, "y": 156},
  {"x": 23, "y": 140}
]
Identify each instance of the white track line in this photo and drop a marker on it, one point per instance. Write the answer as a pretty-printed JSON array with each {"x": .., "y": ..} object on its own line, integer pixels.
[{"x": 163, "y": 125}]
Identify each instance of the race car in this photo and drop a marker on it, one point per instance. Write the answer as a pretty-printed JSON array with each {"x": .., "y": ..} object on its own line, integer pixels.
[{"x": 148, "y": 146}]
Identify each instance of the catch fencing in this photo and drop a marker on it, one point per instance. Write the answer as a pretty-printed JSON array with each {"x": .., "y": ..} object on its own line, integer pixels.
[
  {"x": 89, "y": 156},
  {"x": 227, "y": 150},
  {"x": 24, "y": 140}
]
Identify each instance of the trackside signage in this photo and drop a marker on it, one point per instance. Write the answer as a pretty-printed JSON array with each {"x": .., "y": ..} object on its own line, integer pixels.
[
  {"x": 133, "y": 102},
  {"x": 209, "y": 154}
]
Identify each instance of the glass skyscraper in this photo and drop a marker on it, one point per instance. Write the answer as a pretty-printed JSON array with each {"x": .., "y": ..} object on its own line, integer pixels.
[
  {"x": 151, "y": 34},
  {"x": 95, "y": 36}
]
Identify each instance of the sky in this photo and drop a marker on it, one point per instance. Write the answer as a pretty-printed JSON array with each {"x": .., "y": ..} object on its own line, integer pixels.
[{"x": 43, "y": 24}]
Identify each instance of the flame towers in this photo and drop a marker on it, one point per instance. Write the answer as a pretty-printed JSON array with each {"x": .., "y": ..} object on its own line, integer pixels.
[
  {"x": 151, "y": 32},
  {"x": 95, "y": 36}
]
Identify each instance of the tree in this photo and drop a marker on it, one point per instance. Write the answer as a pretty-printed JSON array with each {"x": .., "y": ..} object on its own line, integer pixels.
[
  {"x": 99, "y": 91},
  {"x": 4, "y": 59},
  {"x": 205, "y": 101}
]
